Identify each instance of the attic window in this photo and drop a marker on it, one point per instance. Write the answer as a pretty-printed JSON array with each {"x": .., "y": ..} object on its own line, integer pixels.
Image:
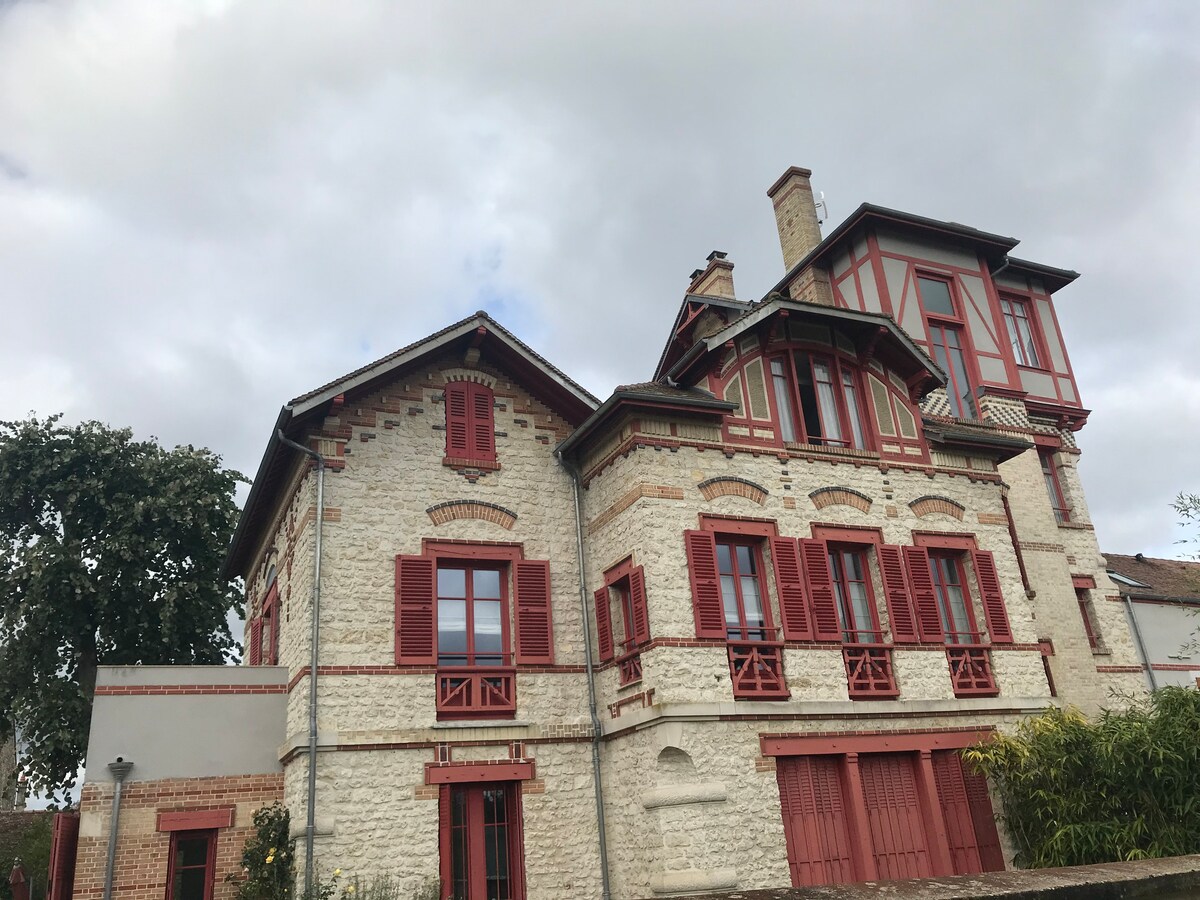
[{"x": 1121, "y": 579}]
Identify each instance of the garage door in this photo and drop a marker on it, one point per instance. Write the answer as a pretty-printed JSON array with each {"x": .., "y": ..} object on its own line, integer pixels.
[
  {"x": 894, "y": 815},
  {"x": 814, "y": 816}
]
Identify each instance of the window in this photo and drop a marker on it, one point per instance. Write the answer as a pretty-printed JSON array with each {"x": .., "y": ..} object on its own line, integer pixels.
[
  {"x": 739, "y": 564},
  {"x": 823, "y": 407},
  {"x": 953, "y": 598},
  {"x": 948, "y": 353},
  {"x": 852, "y": 588},
  {"x": 480, "y": 841},
  {"x": 471, "y": 615},
  {"x": 1087, "y": 612},
  {"x": 191, "y": 865},
  {"x": 470, "y": 424},
  {"x": 624, "y": 585},
  {"x": 1053, "y": 486},
  {"x": 1017, "y": 322},
  {"x": 936, "y": 298}
]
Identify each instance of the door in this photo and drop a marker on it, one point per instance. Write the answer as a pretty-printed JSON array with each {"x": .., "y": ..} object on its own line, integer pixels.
[
  {"x": 814, "y": 818},
  {"x": 894, "y": 815},
  {"x": 481, "y": 842},
  {"x": 967, "y": 809}
]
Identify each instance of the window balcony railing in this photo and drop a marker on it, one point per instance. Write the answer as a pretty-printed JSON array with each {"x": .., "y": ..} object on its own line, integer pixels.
[
  {"x": 629, "y": 664},
  {"x": 476, "y": 692},
  {"x": 756, "y": 669},
  {"x": 869, "y": 672},
  {"x": 971, "y": 670}
]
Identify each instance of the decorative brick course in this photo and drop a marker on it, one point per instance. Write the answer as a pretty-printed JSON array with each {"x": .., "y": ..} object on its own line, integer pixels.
[
  {"x": 991, "y": 519},
  {"x": 441, "y": 513},
  {"x": 840, "y": 496},
  {"x": 655, "y": 491},
  {"x": 731, "y": 486},
  {"x": 931, "y": 504}
]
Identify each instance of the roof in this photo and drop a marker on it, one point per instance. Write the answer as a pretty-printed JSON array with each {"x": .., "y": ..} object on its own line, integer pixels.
[
  {"x": 549, "y": 383},
  {"x": 1165, "y": 579},
  {"x": 650, "y": 393},
  {"x": 993, "y": 246},
  {"x": 762, "y": 311},
  {"x": 708, "y": 300}
]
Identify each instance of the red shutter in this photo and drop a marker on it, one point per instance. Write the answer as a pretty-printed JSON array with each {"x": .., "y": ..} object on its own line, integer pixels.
[
  {"x": 416, "y": 636},
  {"x": 637, "y": 600},
  {"x": 992, "y": 597},
  {"x": 483, "y": 427},
  {"x": 895, "y": 589},
  {"x": 64, "y": 842},
  {"x": 789, "y": 582},
  {"x": 820, "y": 590},
  {"x": 255, "y": 654},
  {"x": 929, "y": 617},
  {"x": 604, "y": 636},
  {"x": 457, "y": 419},
  {"x": 706, "y": 584},
  {"x": 535, "y": 634}
]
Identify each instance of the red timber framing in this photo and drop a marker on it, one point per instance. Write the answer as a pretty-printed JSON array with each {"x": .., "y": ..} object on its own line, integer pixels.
[
  {"x": 625, "y": 584},
  {"x": 883, "y": 806},
  {"x": 461, "y": 607}
]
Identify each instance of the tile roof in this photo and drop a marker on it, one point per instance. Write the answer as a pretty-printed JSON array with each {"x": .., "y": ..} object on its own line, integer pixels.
[{"x": 1174, "y": 578}]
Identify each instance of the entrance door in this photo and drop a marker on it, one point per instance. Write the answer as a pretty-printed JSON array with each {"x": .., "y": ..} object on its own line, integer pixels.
[
  {"x": 814, "y": 819},
  {"x": 894, "y": 815},
  {"x": 481, "y": 844}
]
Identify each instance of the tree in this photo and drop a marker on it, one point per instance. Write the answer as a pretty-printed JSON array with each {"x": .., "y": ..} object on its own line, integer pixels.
[
  {"x": 1188, "y": 507},
  {"x": 110, "y": 554}
]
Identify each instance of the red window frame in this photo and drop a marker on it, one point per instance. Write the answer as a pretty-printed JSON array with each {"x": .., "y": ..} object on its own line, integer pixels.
[
  {"x": 838, "y": 370},
  {"x": 269, "y": 631},
  {"x": 470, "y": 424},
  {"x": 627, "y": 583},
  {"x": 470, "y": 833},
  {"x": 744, "y": 630},
  {"x": 1020, "y": 309},
  {"x": 209, "y": 866},
  {"x": 471, "y": 655},
  {"x": 1089, "y": 625},
  {"x": 941, "y": 562},
  {"x": 955, "y": 391},
  {"x": 853, "y": 631},
  {"x": 1058, "y": 501}
]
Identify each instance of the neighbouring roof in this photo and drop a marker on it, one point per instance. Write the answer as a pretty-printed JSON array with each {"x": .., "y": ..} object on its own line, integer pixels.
[
  {"x": 1164, "y": 579},
  {"x": 496, "y": 343}
]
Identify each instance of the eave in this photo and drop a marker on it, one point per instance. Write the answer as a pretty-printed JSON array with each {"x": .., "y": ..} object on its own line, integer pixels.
[{"x": 622, "y": 401}]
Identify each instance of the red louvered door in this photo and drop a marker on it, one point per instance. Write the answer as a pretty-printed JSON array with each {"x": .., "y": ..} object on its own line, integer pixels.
[
  {"x": 956, "y": 810},
  {"x": 991, "y": 857},
  {"x": 893, "y": 806},
  {"x": 814, "y": 818}
]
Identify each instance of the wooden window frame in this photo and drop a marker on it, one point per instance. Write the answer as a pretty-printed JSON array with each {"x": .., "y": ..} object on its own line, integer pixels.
[
  {"x": 515, "y": 841},
  {"x": 1048, "y": 461},
  {"x": 210, "y": 865},
  {"x": 734, "y": 540},
  {"x": 954, "y": 391},
  {"x": 627, "y": 583},
  {"x": 471, "y": 566},
  {"x": 270, "y": 619},
  {"x": 836, "y": 367},
  {"x": 1009, "y": 304},
  {"x": 841, "y": 585},
  {"x": 953, "y": 557}
]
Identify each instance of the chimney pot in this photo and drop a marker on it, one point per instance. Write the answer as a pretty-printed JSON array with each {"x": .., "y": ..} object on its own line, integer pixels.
[
  {"x": 695, "y": 274},
  {"x": 716, "y": 254}
]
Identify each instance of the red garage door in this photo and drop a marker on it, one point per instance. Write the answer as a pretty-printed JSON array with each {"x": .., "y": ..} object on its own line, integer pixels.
[
  {"x": 814, "y": 817},
  {"x": 894, "y": 815}
]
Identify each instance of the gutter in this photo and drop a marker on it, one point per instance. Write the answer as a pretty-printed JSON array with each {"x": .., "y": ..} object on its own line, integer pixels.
[
  {"x": 310, "y": 827},
  {"x": 120, "y": 768},
  {"x": 597, "y": 780}
]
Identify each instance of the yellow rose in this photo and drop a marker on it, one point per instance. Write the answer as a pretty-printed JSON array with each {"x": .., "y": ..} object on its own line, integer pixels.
[
  {"x": 337, "y": 872},
  {"x": 270, "y": 859}
]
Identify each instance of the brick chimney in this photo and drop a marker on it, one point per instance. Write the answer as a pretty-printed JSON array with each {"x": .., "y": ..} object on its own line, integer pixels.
[
  {"x": 795, "y": 214},
  {"x": 716, "y": 280}
]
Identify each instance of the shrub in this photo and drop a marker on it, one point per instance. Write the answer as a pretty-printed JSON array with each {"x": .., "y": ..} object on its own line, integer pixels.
[
  {"x": 269, "y": 857},
  {"x": 1077, "y": 791}
]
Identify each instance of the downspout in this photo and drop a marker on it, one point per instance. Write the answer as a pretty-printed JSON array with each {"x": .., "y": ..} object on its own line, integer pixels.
[
  {"x": 1141, "y": 646},
  {"x": 576, "y": 487},
  {"x": 310, "y": 827},
  {"x": 1012, "y": 534},
  {"x": 119, "y": 768}
]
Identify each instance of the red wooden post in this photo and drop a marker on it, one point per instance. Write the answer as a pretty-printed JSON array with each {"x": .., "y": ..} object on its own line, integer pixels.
[
  {"x": 935, "y": 822},
  {"x": 860, "y": 826}
]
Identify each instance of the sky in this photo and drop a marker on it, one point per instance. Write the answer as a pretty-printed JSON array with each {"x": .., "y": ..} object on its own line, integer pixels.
[{"x": 207, "y": 208}]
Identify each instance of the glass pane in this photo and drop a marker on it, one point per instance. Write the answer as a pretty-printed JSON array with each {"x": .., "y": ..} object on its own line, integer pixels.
[
  {"x": 488, "y": 636},
  {"x": 745, "y": 560},
  {"x": 856, "y": 429},
  {"x": 935, "y": 296},
  {"x": 752, "y": 600},
  {"x": 458, "y": 843},
  {"x": 965, "y": 408},
  {"x": 861, "y": 604},
  {"x": 783, "y": 400},
  {"x": 452, "y": 582},
  {"x": 724, "y": 559},
  {"x": 829, "y": 413},
  {"x": 808, "y": 398},
  {"x": 729, "y": 602},
  {"x": 191, "y": 852},
  {"x": 1031, "y": 357},
  {"x": 190, "y": 883},
  {"x": 486, "y": 583},
  {"x": 452, "y": 628}
]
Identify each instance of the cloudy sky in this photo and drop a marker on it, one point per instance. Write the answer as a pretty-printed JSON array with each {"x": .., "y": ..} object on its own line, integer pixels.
[{"x": 208, "y": 208}]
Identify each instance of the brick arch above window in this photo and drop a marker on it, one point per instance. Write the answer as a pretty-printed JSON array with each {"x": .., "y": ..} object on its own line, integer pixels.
[
  {"x": 441, "y": 513},
  {"x": 840, "y": 496},
  {"x": 474, "y": 375},
  {"x": 932, "y": 504},
  {"x": 730, "y": 486}
]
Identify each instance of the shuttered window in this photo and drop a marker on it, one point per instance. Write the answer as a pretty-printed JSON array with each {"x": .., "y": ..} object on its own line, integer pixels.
[
  {"x": 470, "y": 422},
  {"x": 254, "y": 654}
]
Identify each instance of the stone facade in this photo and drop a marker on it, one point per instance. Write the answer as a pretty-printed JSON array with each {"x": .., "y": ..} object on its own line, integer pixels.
[{"x": 698, "y": 723}]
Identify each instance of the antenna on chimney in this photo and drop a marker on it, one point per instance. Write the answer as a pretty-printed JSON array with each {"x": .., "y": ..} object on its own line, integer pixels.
[{"x": 822, "y": 208}]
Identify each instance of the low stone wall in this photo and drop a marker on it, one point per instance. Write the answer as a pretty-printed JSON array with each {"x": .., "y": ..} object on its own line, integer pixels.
[{"x": 1176, "y": 878}]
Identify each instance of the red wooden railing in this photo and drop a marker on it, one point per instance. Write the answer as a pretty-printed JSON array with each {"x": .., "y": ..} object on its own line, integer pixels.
[
  {"x": 475, "y": 692},
  {"x": 971, "y": 670},
  {"x": 629, "y": 667},
  {"x": 756, "y": 668},
  {"x": 869, "y": 672}
]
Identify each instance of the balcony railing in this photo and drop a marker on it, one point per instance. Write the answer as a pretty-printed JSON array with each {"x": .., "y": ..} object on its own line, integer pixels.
[
  {"x": 756, "y": 668},
  {"x": 971, "y": 670},
  {"x": 629, "y": 667},
  {"x": 476, "y": 692},
  {"x": 869, "y": 672}
]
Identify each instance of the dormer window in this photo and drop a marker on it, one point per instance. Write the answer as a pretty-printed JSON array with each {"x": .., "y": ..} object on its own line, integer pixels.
[{"x": 816, "y": 401}]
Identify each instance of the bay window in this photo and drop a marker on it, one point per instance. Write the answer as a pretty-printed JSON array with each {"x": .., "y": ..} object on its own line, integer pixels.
[{"x": 816, "y": 400}]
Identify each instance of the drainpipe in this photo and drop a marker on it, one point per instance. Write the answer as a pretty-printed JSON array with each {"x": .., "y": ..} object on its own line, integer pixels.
[
  {"x": 310, "y": 827},
  {"x": 1012, "y": 534},
  {"x": 1141, "y": 646},
  {"x": 119, "y": 769},
  {"x": 576, "y": 487}
]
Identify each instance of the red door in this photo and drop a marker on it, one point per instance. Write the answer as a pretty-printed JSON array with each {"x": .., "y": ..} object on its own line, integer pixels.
[
  {"x": 894, "y": 815},
  {"x": 481, "y": 842},
  {"x": 991, "y": 857},
  {"x": 956, "y": 810},
  {"x": 814, "y": 820},
  {"x": 64, "y": 842}
]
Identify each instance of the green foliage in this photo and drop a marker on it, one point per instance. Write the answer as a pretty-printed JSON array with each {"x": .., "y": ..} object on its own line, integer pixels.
[
  {"x": 269, "y": 858},
  {"x": 1188, "y": 507},
  {"x": 1125, "y": 786},
  {"x": 110, "y": 553},
  {"x": 25, "y": 836}
]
